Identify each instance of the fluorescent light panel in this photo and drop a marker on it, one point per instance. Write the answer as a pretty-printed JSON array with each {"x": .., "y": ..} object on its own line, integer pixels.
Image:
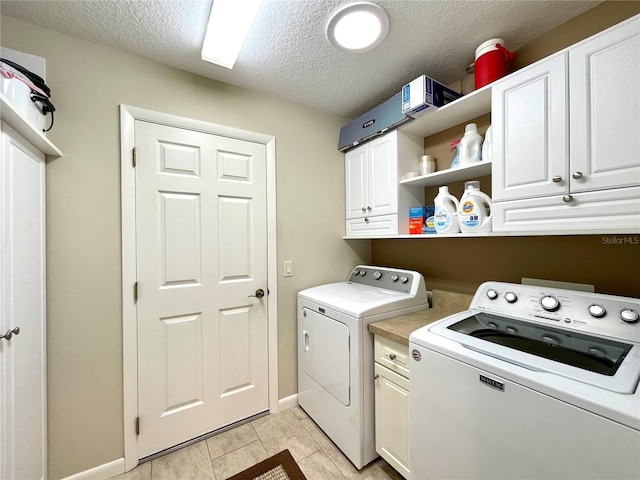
[{"x": 228, "y": 27}]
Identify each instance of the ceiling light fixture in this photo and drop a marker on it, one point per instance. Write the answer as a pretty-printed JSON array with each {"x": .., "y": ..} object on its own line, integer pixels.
[
  {"x": 227, "y": 29},
  {"x": 358, "y": 27}
]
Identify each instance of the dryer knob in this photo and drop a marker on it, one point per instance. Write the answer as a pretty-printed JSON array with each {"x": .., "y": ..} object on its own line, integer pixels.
[
  {"x": 394, "y": 278},
  {"x": 628, "y": 315},
  {"x": 363, "y": 273},
  {"x": 377, "y": 275},
  {"x": 404, "y": 279}
]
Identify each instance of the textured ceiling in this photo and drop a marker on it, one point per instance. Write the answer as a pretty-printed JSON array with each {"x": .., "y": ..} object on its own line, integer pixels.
[{"x": 287, "y": 54}]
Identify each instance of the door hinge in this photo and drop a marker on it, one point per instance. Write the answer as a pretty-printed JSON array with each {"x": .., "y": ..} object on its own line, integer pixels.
[
  {"x": 137, "y": 425},
  {"x": 135, "y": 292},
  {"x": 134, "y": 157}
]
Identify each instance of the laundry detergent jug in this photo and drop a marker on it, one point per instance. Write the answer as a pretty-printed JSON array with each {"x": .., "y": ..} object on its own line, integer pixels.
[
  {"x": 474, "y": 212},
  {"x": 492, "y": 59},
  {"x": 470, "y": 146},
  {"x": 445, "y": 218}
]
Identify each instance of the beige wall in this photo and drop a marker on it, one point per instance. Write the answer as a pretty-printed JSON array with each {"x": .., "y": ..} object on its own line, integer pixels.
[
  {"x": 461, "y": 264},
  {"x": 89, "y": 81}
]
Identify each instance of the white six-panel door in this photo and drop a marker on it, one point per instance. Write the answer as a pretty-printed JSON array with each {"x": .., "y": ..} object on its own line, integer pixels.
[{"x": 201, "y": 255}]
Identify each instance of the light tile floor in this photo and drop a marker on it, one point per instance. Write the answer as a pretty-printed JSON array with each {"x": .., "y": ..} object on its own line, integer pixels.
[{"x": 223, "y": 455}]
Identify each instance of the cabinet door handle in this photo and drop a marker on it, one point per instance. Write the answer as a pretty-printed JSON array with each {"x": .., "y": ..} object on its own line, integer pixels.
[
  {"x": 392, "y": 356},
  {"x": 567, "y": 198},
  {"x": 557, "y": 179},
  {"x": 366, "y": 220},
  {"x": 376, "y": 376},
  {"x": 369, "y": 208},
  {"x": 364, "y": 209},
  {"x": 576, "y": 175},
  {"x": 11, "y": 333}
]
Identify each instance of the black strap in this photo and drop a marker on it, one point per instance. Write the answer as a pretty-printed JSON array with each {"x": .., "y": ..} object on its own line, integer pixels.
[
  {"x": 37, "y": 80},
  {"x": 47, "y": 106}
]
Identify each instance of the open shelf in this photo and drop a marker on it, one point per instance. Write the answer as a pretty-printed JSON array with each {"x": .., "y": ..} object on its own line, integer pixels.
[
  {"x": 459, "y": 111},
  {"x": 24, "y": 128},
  {"x": 443, "y": 177}
]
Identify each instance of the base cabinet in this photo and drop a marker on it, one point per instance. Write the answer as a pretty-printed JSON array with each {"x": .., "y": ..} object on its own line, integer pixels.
[
  {"x": 391, "y": 403},
  {"x": 23, "y": 407}
]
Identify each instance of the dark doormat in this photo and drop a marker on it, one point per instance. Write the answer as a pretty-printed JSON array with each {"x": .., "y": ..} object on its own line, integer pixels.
[{"x": 281, "y": 466}]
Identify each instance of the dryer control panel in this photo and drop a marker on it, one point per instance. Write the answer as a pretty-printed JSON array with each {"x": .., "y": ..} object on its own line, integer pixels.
[{"x": 404, "y": 281}]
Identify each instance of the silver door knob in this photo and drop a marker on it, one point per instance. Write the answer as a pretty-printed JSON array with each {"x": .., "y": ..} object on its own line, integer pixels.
[
  {"x": 567, "y": 198},
  {"x": 259, "y": 293},
  {"x": 557, "y": 179},
  {"x": 11, "y": 333},
  {"x": 576, "y": 175}
]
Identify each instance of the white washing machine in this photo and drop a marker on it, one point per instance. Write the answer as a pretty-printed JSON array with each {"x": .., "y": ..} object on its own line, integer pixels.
[
  {"x": 335, "y": 351},
  {"x": 530, "y": 382}
]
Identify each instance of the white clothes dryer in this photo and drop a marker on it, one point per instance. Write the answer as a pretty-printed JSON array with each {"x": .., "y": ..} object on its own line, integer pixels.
[{"x": 335, "y": 351}]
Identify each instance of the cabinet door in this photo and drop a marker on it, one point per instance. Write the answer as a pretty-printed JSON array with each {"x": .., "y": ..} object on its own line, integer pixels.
[
  {"x": 392, "y": 424},
  {"x": 356, "y": 182},
  {"x": 529, "y": 118},
  {"x": 604, "y": 75},
  {"x": 383, "y": 175},
  {"x": 23, "y": 409}
]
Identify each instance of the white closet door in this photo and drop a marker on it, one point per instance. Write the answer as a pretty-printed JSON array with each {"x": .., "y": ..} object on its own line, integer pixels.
[{"x": 23, "y": 370}]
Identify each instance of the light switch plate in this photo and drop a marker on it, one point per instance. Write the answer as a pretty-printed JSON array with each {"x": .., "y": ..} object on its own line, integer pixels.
[{"x": 288, "y": 268}]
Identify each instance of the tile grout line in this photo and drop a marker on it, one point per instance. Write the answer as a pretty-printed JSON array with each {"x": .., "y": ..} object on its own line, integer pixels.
[
  {"x": 215, "y": 477},
  {"x": 326, "y": 454}
]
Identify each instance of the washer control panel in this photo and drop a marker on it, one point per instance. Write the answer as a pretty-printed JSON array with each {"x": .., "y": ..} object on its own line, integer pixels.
[
  {"x": 405, "y": 281},
  {"x": 608, "y": 315}
]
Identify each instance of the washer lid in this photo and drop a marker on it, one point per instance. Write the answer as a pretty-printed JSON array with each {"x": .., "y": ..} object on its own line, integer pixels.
[{"x": 605, "y": 363}]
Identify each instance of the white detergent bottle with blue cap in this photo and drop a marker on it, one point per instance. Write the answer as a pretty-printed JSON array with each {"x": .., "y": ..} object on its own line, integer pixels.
[
  {"x": 474, "y": 211},
  {"x": 445, "y": 218}
]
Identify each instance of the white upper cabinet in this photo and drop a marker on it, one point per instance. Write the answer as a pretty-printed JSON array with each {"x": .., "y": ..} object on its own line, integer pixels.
[
  {"x": 604, "y": 107},
  {"x": 529, "y": 124},
  {"x": 375, "y": 202},
  {"x": 567, "y": 139}
]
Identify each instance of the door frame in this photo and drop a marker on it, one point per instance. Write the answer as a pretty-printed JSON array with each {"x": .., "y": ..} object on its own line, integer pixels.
[{"x": 128, "y": 116}]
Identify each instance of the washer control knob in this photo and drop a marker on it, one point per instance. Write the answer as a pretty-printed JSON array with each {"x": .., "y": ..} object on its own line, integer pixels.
[
  {"x": 377, "y": 275},
  {"x": 363, "y": 273},
  {"x": 394, "y": 278},
  {"x": 549, "y": 303},
  {"x": 511, "y": 297},
  {"x": 629, "y": 315},
  {"x": 404, "y": 279},
  {"x": 356, "y": 271},
  {"x": 492, "y": 294},
  {"x": 596, "y": 311}
]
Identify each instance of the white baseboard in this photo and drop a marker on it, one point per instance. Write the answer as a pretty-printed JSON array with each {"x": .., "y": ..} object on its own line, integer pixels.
[
  {"x": 101, "y": 472},
  {"x": 288, "y": 402}
]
